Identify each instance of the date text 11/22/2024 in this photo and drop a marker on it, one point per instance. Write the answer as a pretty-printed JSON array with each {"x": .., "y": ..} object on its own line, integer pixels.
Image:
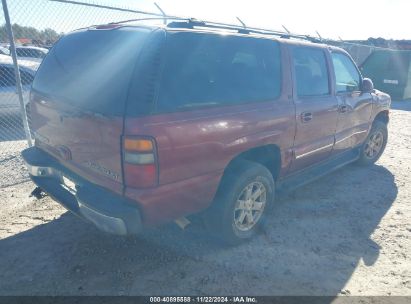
[{"x": 238, "y": 299}]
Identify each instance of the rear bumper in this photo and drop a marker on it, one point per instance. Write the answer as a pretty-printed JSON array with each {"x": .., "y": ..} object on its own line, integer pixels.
[{"x": 108, "y": 211}]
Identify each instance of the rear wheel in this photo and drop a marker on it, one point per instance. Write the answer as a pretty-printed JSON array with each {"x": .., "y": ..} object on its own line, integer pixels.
[
  {"x": 241, "y": 202},
  {"x": 374, "y": 145}
]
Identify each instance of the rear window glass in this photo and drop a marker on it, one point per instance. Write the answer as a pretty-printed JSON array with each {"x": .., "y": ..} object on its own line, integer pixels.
[
  {"x": 207, "y": 70},
  {"x": 91, "y": 69}
]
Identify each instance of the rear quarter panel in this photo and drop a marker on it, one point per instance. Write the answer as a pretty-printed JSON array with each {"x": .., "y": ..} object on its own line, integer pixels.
[
  {"x": 198, "y": 145},
  {"x": 199, "y": 142}
]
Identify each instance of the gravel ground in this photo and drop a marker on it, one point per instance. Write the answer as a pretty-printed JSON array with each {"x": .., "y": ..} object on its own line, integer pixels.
[
  {"x": 348, "y": 233},
  {"x": 12, "y": 170}
]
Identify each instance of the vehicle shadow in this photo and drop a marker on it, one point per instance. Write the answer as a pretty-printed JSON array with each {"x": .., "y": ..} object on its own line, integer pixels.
[
  {"x": 311, "y": 244},
  {"x": 404, "y": 105}
]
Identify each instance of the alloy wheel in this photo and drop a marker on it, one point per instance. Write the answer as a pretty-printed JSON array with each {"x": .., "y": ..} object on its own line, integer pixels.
[
  {"x": 250, "y": 206},
  {"x": 374, "y": 145}
]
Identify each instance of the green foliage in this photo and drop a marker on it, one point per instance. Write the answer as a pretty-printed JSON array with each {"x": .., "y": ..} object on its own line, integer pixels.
[{"x": 46, "y": 36}]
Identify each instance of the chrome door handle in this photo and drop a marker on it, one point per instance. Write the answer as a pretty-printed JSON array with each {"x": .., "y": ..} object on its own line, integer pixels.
[
  {"x": 343, "y": 109},
  {"x": 306, "y": 116}
]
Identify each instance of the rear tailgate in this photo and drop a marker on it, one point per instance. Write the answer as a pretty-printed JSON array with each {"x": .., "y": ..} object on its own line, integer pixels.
[{"x": 78, "y": 100}]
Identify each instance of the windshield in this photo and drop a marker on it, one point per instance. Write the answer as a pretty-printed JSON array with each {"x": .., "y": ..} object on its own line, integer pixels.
[{"x": 91, "y": 69}]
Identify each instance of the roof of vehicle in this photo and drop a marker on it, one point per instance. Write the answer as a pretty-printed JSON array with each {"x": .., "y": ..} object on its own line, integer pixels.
[
  {"x": 197, "y": 27},
  {"x": 26, "y": 64}
]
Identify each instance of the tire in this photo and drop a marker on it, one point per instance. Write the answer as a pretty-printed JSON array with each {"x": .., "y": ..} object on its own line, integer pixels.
[
  {"x": 374, "y": 145},
  {"x": 235, "y": 215}
]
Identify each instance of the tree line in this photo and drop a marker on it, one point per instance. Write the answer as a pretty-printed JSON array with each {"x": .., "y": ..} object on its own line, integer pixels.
[{"x": 46, "y": 36}]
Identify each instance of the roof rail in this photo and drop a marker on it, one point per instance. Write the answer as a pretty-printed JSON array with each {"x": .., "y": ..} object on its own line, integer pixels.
[
  {"x": 191, "y": 22},
  {"x": 150, "y": 18}
]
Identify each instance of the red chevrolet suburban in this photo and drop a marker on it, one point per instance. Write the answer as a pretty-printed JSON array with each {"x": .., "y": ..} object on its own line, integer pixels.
[{"x": 140, "y": 125}]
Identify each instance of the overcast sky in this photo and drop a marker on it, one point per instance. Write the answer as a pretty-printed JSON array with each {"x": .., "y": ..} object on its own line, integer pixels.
[{"x": 348, "y": 19}]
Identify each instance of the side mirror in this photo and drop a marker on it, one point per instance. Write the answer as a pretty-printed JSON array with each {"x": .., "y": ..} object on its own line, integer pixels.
[{"x": 367, "y": 85}]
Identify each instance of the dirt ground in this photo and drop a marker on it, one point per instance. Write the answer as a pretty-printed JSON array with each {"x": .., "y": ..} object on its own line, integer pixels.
[{"x": 348, "y": 233}]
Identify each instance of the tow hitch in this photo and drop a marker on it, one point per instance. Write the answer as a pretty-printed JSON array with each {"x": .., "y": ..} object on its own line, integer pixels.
[{"x": 38, "y": 193}]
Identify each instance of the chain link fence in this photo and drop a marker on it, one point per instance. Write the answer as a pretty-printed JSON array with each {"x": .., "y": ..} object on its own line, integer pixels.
[{"x": 36, "y": 25}]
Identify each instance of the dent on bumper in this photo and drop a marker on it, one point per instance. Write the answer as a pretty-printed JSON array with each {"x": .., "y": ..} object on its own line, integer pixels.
[
  {"x": 107, "y": 211},
  {"x": 103, "y": 222}
]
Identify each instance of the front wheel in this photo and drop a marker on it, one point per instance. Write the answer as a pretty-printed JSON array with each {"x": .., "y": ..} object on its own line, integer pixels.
[
  {"x": 241, "y": 202},
  {"x": 374, "y": 144}
]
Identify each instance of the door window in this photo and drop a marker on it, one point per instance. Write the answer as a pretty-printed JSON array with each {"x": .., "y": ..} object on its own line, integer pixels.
[
  {"x": 311, "y": 72},
  {"x": 346, "y": 74}
]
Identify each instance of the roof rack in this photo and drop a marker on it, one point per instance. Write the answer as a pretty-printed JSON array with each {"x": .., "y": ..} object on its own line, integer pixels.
[
  {"x": 181, "y": 22},
  {"x": 194, "y": 23},
  {"x": 150, "y": 18}
]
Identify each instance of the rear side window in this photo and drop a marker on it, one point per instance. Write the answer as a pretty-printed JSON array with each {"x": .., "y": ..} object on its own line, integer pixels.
[
  {"x": 207, "y": 70},
  {"x": 346, "y": 74},
  {"x": 310, "y": 67},
  {"x": 91, "y": 69}
]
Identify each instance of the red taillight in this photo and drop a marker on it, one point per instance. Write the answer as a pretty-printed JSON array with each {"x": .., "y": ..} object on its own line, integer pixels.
[{"x": 139, "y": 162}]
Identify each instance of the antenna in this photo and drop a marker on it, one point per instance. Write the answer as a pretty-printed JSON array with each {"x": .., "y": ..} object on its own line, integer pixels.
[
  {"x": 321, "y": 38},
  {"x": 242, "y": 23},
  {"x": 164, "y": 14},
  {"x": 286, "y": 29}
]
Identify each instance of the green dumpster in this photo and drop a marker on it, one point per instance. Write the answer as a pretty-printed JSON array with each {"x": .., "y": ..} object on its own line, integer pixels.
[{"x": 390, "y": 71}]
